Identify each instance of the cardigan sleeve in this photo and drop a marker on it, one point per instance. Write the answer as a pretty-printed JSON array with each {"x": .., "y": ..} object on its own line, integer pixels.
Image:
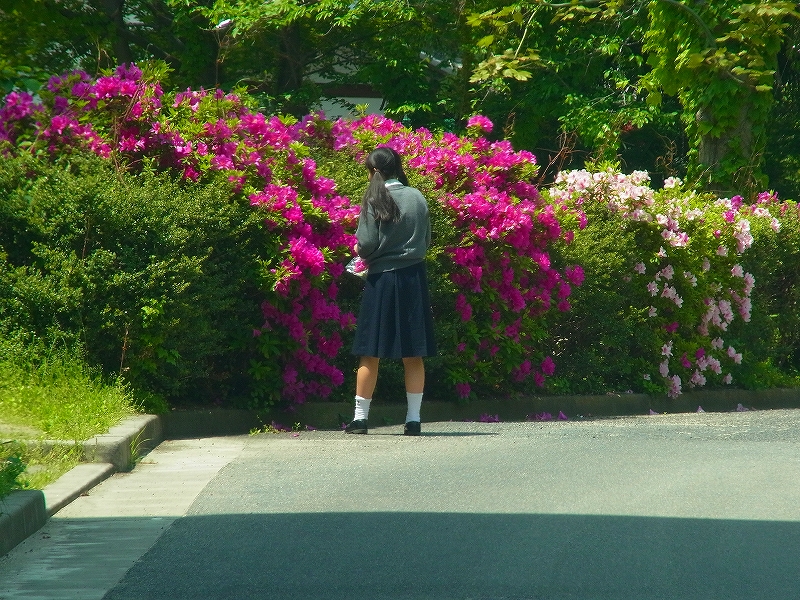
[{"x": 367, "y": 235}]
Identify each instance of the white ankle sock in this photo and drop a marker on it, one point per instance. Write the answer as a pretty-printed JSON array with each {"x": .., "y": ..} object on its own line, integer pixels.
[
  {"x": 362, "y": 408},
  {"x": 414, "y": 403}
]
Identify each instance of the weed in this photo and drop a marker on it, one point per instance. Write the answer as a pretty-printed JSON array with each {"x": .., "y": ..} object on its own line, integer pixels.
[{"x": 11, "y": 467}]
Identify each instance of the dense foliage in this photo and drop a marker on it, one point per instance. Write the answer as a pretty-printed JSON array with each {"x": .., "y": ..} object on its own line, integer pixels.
[
  {"x": 11, "y": 467},
  {"x": 195, "y": 247},
  {"x": 151, "y": 277}
]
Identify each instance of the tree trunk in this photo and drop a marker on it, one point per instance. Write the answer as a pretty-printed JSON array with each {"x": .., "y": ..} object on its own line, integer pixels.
[
  {"x": 736, "y": 142},
  {"x": 115, "y": 11},
  {"x": 291, "y": 60}
]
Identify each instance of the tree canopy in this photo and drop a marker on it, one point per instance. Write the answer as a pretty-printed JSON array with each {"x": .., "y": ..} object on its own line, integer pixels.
[{"x": 694, "y": 89}]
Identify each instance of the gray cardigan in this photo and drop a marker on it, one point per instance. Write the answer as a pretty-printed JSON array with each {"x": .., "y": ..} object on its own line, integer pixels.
[{"x": 389, "y": 246}]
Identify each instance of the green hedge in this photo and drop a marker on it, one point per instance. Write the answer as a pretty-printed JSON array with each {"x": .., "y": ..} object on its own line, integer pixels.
[{"x": 152, "y": 277}]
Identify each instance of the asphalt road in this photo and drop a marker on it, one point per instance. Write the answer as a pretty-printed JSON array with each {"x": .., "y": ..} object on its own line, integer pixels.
[{"x": 697, "y": 506}]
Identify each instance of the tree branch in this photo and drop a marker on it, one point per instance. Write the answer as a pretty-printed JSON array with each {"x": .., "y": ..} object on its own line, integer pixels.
[{"x": 710, "y": 39}]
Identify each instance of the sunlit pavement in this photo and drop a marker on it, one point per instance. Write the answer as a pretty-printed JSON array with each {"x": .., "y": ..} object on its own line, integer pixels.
[{"x": 683, "y": 506}]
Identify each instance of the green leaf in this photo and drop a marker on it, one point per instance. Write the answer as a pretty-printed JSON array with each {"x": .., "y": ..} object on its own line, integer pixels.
[
  {"x": 695, "y": 60},
  {"x": 654, "y": 98},
  {"x": 485, "y": 41}
]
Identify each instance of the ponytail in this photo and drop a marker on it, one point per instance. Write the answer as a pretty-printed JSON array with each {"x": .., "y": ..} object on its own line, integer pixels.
[{"x": 383, "y": 164}]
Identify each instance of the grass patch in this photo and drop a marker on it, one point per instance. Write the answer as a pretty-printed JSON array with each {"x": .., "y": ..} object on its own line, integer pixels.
[{"x": 58, "y": 398}]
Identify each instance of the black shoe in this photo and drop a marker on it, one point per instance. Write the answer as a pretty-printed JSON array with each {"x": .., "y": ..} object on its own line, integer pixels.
[
  {"x": 358, "y": 426},
  {"x": 412, "y": 428}
]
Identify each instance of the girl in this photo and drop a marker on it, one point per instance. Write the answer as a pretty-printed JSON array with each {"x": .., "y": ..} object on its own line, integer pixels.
[{"x": 395, "y": 320}]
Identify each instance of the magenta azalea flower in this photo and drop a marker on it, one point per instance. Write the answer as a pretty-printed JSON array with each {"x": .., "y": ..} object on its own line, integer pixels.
[{"x": 480, "y": 122}]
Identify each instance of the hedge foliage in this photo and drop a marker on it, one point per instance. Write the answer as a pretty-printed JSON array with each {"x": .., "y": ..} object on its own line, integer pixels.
[
  {"x": 152, "y": 277},
  {"x": 195, "y": 248}
]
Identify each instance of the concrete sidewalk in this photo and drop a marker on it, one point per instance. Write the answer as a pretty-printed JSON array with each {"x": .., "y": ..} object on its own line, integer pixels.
[
  {"x": 673, "y": 506},
  {"x": 84, "y": 549}
]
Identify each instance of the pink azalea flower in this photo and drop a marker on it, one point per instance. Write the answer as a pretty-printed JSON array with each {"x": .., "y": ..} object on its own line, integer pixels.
[
  {"x": 548, "y": 366},
  {"x": 463, "y": 390},
  {"x": 575, "y": 275},
  {"x": 663, "y": 368},
  {"x": 480, "y": 122},
  {"x": 698, "y": 378}
]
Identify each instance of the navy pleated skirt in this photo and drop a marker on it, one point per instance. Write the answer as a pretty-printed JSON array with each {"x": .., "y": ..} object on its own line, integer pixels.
[{"x": 395, "y": 319}]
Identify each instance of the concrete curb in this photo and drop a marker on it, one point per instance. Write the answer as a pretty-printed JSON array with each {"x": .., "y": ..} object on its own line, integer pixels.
[
  {"x": 120, "y": 445},
  {"x": 21, "y": 514},
  {"x": 24, "y": 512},
  {"x": 77, "y": 481}
]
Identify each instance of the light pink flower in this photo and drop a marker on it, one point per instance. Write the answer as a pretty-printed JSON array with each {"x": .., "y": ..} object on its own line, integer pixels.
[
  {"x": 698, "y": 378},
  {"x": 663, "y": 368}
]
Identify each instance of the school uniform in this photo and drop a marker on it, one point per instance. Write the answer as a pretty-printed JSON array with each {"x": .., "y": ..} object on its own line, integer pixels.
[{"x": 395, "y": 319}]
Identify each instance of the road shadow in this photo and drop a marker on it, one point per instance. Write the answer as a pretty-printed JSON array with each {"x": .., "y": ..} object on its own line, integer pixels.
[{"x": 448, "y": 556}]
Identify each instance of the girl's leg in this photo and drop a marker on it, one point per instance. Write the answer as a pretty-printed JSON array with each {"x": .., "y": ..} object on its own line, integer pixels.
[
  {"x": 415, "y": 384},
  {"x": 415, "y": 374},
  {"x": 367, "y": 376}
]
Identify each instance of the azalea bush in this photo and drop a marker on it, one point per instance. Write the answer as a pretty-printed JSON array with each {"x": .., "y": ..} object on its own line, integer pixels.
[
  {"x": 670, "y": 297},
  {"x": 494, "y": 284},
  {"x": 493, "y": 281},
  {"x": 774, "y": 333},
  {"x": 196, "y": 247}
]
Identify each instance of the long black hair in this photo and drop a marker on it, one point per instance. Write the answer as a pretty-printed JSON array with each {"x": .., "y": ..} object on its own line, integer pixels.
[{"x": 383, "y": 164}]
